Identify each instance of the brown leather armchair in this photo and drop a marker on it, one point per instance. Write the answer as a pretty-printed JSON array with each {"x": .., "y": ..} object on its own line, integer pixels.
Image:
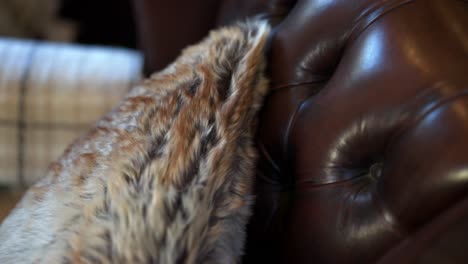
[{"x": 364, "y": 137}]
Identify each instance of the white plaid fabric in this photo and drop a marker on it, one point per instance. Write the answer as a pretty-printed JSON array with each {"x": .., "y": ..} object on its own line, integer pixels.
[{"x": 49, "y": 95}]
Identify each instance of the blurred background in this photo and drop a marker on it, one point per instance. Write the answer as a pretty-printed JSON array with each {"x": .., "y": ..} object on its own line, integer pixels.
[
  {"x": 107, "y": 22},
  {"x": 63, "y": 64}
]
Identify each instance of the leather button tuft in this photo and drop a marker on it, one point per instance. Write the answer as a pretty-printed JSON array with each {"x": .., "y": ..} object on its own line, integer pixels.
[{"x": 375, "y": 170}]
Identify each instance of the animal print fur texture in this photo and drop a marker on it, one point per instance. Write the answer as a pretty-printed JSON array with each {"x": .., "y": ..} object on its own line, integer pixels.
[{"x": 165, "y": 177}]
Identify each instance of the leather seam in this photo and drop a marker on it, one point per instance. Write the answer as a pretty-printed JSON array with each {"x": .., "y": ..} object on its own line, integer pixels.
[
  {"x": 283, "y": 87},
  {"x": 285, "y": 150},
  {"x": 268, "y": 157},
  {"x": 374, "y": 14},
  {"x": 415, "y": 121}
]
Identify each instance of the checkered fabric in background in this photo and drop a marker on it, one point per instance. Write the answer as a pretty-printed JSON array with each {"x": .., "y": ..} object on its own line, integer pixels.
[{"x": 49, "y": 95}]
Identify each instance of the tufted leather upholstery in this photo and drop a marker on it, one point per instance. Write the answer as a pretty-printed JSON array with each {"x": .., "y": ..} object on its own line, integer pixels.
[{"x": 364, "y": 137}]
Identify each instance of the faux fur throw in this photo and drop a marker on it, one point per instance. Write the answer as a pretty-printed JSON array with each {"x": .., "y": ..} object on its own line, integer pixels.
[{"x": 165, "y": 177}]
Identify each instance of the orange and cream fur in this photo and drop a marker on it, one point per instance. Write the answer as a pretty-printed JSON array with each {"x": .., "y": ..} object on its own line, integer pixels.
[{"x": 165, "y": 177}]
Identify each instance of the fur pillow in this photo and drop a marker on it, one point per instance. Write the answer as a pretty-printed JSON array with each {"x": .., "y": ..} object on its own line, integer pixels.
[{"x": 165, "y": 177}]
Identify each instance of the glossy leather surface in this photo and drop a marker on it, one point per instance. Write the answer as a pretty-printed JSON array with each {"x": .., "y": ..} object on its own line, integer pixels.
[
  {"x": 364, "y": 137},
  {"x": 373, "y": 142}
]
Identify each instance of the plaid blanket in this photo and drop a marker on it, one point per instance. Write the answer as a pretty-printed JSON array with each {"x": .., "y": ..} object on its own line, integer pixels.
[{"x": 51, "y": 93}]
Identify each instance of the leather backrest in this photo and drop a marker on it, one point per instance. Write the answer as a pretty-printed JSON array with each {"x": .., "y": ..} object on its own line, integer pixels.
[{"x": 364, "y": 137}]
